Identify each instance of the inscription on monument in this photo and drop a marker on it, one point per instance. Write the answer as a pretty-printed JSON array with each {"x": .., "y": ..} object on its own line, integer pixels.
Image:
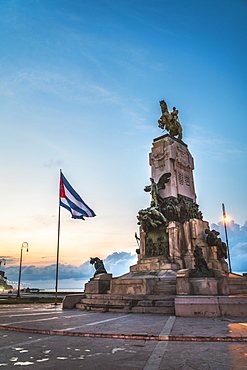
[
  {"x": 181, "y": 178},
  {"x": 187, "y": 180}
]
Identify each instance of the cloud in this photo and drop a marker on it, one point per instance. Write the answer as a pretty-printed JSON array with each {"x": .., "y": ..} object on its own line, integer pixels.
[
  {"x": 238, "y": 255},
  {"x": 116, "y": 264},
  {"x": 217, "y": 148},
  {"x": 58, "y": 163},
  {"x": 119, "y": 263},
  {"x": 237, "y": 240},
  {"x": 59, "y": 83}
]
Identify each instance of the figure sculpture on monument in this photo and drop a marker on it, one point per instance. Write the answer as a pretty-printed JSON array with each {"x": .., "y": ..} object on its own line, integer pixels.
[
  {"x": 154, "y": 188},
  {"x": 213, "y": 240},
  {"x": 200, "y": 262},
  {"x": 150, "y": 218},
  {"x": 169, "y": 121},
  {"x": 98, "y": 265}
]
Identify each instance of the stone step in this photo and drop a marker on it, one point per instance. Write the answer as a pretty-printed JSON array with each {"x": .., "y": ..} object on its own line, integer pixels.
[
  {"x": 155, "y": 310},
  {"x": 167, "y": 282},
  {"x": 128, "y": 296},
  {"x": 237, "y": 282},
  {"x": 238, "y": 290},
  {"x": 102, "y": 308},
  {"x": 161, "y": 283},
  {"x": 110, "y": 302},
  {"x": 244, "y": 286},
  {"x": 139, "y": 309},
  {"x": 165, "y": 286},
  {"x": 127, "y": 303},
  {"x": 147, "y": 303},
  {"x": 161, "y": 303},
  {"x": 237, "y": 285},
  {"x": 164, "y": 291},
  {"x": 161, "y": 294}
]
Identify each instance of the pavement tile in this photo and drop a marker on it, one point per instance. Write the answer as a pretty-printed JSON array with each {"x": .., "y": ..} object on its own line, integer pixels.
[{"x": 209, "y": 327}]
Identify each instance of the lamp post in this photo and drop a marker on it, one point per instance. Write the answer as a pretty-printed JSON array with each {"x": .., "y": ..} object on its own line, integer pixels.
[
  {"x": 225, "y": 221},
  {"x": 24, "y": 245}
]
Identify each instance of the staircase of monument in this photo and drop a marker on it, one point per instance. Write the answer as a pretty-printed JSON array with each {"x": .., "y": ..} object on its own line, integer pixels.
[
  {"x": 165, "y": 286},
  {"x": 237, "y": 284},
  {"x": 160, "y": 301}
]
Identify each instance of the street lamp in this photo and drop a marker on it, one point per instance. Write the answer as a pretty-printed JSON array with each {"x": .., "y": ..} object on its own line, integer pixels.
[
  {"x": 24, "y": 245},
  {"x": 225, "y": 219}
]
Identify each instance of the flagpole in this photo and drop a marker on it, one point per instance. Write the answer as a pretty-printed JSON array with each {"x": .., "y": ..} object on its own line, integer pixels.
[{"x": 58, "y": 239}]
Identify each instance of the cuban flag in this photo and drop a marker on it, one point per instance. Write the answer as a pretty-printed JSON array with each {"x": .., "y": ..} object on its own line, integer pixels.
[{"x": 72, "y": 201}]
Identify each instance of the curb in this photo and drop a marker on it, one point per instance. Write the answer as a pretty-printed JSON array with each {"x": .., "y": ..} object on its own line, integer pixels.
[{"x": 172, "y": 338}]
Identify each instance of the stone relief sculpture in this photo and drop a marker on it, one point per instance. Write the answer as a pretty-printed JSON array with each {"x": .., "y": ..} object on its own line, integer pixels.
[
  {"x": 169, "y": 121},
  {"x": 98, "y": 265},
  {"x": 213, "y": 240},
  {"x": 156, "y": 248},
  {"x": 154, "y": 188},
  {"x": 180, "y": 209}
]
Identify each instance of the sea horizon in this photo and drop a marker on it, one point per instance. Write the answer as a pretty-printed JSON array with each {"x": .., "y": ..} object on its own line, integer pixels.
[{"x": 49, "y": 285}]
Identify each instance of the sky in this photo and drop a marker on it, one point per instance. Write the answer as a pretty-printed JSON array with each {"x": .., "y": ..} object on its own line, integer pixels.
[{"x": 80, "y": 87}]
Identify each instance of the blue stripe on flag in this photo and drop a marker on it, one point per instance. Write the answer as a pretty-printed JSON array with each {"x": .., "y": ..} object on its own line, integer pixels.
[{"x": 72, "y": 197}]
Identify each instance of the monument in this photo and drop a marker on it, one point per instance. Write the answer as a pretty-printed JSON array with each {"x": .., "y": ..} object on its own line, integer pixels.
[
  {"x": 172, "y": 229},
  {"x": 178, "y": 255}
]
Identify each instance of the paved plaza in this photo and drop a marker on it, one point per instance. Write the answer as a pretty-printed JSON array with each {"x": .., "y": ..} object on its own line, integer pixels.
[{"x": 43, "y": 336}]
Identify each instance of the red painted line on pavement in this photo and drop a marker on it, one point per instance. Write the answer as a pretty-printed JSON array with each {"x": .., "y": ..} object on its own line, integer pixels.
[
  {"x": 206, "y": 339},
  {"x": 127, "y": 336}
]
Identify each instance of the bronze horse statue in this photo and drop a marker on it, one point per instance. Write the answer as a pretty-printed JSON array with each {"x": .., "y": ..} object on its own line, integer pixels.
[{"x": 169, "y": 121}]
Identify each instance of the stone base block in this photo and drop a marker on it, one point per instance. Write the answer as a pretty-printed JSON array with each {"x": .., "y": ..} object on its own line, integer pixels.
[
  {"x": 71, "y": 300},
  {"x": 197, "y": 307},
  {"x": 217, "y": 285},
  {"x": 203, "y": 286},
  {"x": 100, "y": 284},
  {"x": 194, "y": 306},
  {"x": 132, "y": 286},
  {"x": 233, "y": 306}
]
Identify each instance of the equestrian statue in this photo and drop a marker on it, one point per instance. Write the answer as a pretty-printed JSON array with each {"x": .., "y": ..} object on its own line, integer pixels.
[{"x": 169, "y": 121}]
